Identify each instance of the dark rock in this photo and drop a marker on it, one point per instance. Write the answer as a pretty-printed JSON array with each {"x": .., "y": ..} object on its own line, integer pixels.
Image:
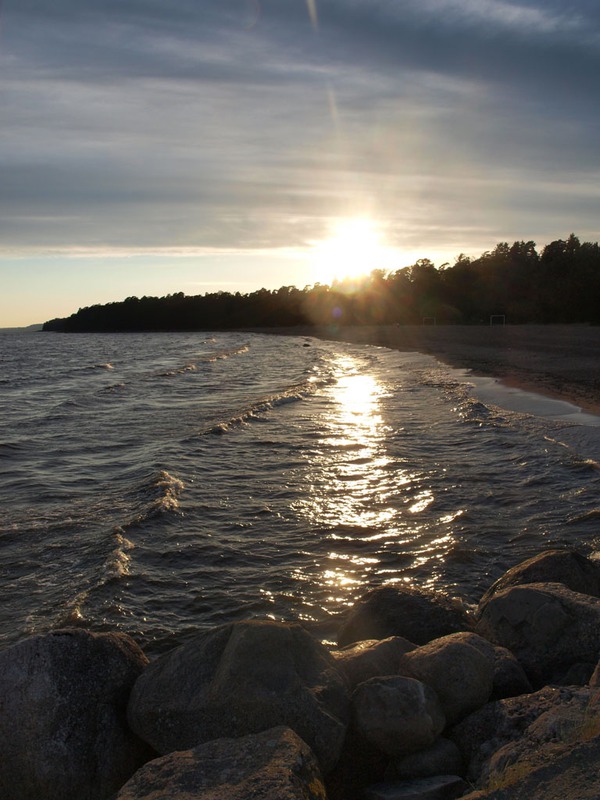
[
  {"x": 397, "y": 715},
  {"x": 372, "y": 659},
  {"x": 595, "y": 679},
  {"x": 360, "y": 764},
  {"x": 497, "y": 735},
  {"x": 510, "y": 679},
  {"x": 460, "y": 674},
  {"x": 272, "y": 765},
  {"x": 442, "y": 758},
  {"x": 509, "y": 676},
  {"x": 574, "y": 570},
  {"x": 243, "y": 678},
  {"x": 547, "y": 627},
  {"x": 578, "y": 674},
  {"x": 415, "y": 614},
  {"x": 441, "y": 787},
  {"x": 555, "y": 771},
  {"x": 63, "y": 728}
]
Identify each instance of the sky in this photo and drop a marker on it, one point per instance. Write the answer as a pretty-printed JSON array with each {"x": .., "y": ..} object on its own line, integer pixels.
[{"x": 155, "y": 146}]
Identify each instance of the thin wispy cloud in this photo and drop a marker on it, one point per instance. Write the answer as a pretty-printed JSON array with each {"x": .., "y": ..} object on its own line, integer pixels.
[{"x": 243, "y": 125}]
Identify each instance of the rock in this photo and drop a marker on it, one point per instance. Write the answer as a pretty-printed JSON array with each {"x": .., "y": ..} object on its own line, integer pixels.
[
  {"x": 510, "y": 679},
  {"x": 595, "y": 679},
  {"x": 442, "y": 787},
  {"x": 396, "y": 714},
  {"x": 442, "y": 758},
  {"x": 509, "y": 676},
  {"x": 273, "y": 765},
  {"x": 372, "y": 659},
  {"x": 360, "y": 764},
  {"x": 497, "y": 735},
  {"x": 547, "y": 627},
  {"x": 418, "y": 615},
  {"x": 576, "y": 675},
  {"x": 556, "y": 771},
  {"x": 565, "y": 722},
  {"x": 574, "y": 570},
  {"x": 460, "y": 674},
  {"x": 243, "y": 678},
  {"x": 63, "y": 728}
]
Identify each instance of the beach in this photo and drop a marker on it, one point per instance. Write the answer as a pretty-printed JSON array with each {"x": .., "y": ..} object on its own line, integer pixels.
[{"x": 559, "y": 361}]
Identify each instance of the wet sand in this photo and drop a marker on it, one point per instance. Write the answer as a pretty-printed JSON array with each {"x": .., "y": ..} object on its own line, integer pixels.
[{"x": 560, "y": 361}]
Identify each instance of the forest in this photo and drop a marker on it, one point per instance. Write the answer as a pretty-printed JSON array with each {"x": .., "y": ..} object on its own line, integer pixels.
[{"x": 560, "y": 284}]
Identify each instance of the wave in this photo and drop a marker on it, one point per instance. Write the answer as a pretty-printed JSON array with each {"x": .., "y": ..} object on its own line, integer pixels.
[
  {"x": 255, "y": 412},
  {"x": 10, "y": 449},
  {"x": 208, "y": 359},
  {"x": 117, "y": 564},
  {"x": 178, "y": 371},
  {"x": 158, "y": 495},
  {"x": 96, "y": 367},
  {"x": 224, "y": 354},
  {"x": 166, "y": 489}
]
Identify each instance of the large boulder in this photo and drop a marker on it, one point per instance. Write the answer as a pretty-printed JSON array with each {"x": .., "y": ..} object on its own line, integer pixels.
[
  {"x": 273, "y": 765},
  {"x": 545, "y": 744},
  {"x": 509, "y": 676},
  {"x": 461, "y": 674},
  {"x": 494, "y": 737},
  {"x": 418, "y": 615},
  {"x": 574, "y": 570},
  {"x": 397, "y": 715},
  {"x": 556, "y": 772},
  {"x": 243, "y": 678},
  {"x": 548, "y": 627},
  {"x": 63, "y": 727},
  {"x": 372, "y": 659}
]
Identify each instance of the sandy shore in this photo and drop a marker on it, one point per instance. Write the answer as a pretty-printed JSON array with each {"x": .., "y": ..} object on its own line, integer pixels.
[{"x": 561, "y": 361}]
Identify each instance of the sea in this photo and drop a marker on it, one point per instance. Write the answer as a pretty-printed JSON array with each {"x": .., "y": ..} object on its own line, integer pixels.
[{"x": 160, "y": 484}]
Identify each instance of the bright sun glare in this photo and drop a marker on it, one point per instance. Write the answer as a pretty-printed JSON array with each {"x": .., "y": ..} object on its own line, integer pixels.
[{"x": 353, "y": 249}]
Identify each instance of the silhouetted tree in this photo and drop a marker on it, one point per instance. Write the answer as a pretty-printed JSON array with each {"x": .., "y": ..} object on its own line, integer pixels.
[{"x": 560, "y": 285}]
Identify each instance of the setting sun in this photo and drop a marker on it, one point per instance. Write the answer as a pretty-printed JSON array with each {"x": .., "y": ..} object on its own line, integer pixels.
[{"x": 353, "y": 249}]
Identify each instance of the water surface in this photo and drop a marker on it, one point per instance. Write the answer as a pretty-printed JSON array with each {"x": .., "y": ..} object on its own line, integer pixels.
[{"x": 162, "y": 483}]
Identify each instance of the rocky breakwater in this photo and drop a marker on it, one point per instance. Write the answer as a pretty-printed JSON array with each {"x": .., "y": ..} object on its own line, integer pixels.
[{"x": 421, "y": 699}]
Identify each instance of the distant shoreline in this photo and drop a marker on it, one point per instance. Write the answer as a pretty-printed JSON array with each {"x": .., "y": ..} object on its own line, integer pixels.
[{"x": 560, "y": 361}]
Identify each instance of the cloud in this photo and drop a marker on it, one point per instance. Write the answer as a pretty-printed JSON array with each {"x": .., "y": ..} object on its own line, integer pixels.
[{"x": 237, "y": 124}]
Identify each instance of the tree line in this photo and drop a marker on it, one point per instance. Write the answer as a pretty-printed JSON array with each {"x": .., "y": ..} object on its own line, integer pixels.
[{"x": 561, "y": 284}]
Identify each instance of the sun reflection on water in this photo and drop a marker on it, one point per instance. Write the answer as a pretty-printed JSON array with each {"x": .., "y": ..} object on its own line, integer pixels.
[{"x": 365, "y": 496}]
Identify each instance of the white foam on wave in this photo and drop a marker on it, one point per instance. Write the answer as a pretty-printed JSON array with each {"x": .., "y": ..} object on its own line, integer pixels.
[
  {"x": 224, "y": 354},
  {"x": 178, "y": 371},
  {"x": 255, "y": 412},
  {"x": 168, "y": 488},
  {"x": 117, "y": 565}
]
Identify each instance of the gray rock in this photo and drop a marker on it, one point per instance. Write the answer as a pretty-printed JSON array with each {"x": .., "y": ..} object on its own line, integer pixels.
[
  {"x": 442, "y": 787},
  {"x": 496, "y": 736},
  {"x": 372, "y": 659},
  {"x": 461, "y": 675},
  {"x": 574, "y": 570},
  {"x": 556, "y": 771},
  {"x": 442, "y": 758},
  {"x": 272, "y": 765},
  {"x": 243, "y": 678},
  {"x": 547, "y": 627},
  {"x": 510, "y": 679},
  {"x": 396, "y": 714},
  {"x": 418, "y": 615},
  {"x": 63, "y": 729}
]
